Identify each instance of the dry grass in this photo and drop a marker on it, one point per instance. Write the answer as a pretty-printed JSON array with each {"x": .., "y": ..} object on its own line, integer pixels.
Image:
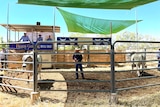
[
  {"x": 153, "y": 100},
  {"x": 148, "y": 100},
  {"x": 9, "y": 100},
  {"x": 142, "y": 97}
]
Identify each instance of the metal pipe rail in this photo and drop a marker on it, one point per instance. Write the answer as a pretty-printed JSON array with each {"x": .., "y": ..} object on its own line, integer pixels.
[
  {"x": 136, "y": 69},
  {"x": 17, "y": 62},
  {"x": 121, "y": 41},
  {"x": 16, "y": 54},
  {"x": 59, "y": 53},
  {"x": 87, "y": 42},
  {"x": 16, "y": 87},
  {"x": 78, "y": 90},
  {"x": 20, "y": 79},
  {"x": 10, "y": 43},
  {"x": 137, "y": 78},
  {"x": 74, "y": 62},
  {"x": 135, "y": 52},
  {"x": 137, "y": 61},
  {"x": 76, "y": 81},
  {"x": 16, "y": 70},
  {"x": 73, "y": 71},
  {"x": 134, "y": 87}
]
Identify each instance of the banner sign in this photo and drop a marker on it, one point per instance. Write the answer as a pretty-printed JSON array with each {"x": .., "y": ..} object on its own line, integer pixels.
[
  {"x": 67, "y": 41},
  {"x": 101, "y": 41},
  {"x": 46, "y": 46},
  {"x": 74, "y": 41},
  {"x": 29, "y": 46}
]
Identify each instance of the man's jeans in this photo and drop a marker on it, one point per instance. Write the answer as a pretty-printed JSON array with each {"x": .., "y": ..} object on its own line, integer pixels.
[{"x": 79, "y": 66}]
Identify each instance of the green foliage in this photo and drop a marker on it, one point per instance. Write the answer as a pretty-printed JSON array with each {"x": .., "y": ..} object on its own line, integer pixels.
[
  {"x": 1, "y": 42},
  {"x": 126, "y": 36},
  {"x": 66, "y": 47},
  {"x": 76, "y": 35},
  {"x": 130, "y": 36}
]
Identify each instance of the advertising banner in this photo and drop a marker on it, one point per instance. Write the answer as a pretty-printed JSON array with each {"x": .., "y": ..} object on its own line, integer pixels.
[
  {"x": 67, "y": 41},
  {"x": 29, "y": 46},
  {"x": 75, "y": 41}
]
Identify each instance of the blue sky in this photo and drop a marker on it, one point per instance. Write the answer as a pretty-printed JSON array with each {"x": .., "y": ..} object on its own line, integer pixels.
[{"x": 30, "y": 14}]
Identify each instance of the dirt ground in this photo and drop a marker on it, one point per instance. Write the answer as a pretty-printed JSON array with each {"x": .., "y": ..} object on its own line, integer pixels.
[
  {"x": 122, "y": 95},
  {"x": 93, "y": 98}
]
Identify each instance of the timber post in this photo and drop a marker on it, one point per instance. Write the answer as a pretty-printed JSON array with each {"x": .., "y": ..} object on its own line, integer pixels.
[
  {"x": 35, "y": 95},
  {"x": 113, "y": 98}
]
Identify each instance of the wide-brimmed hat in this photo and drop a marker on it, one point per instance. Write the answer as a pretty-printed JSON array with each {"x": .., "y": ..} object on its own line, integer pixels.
[{"x": 77, "y": 49}]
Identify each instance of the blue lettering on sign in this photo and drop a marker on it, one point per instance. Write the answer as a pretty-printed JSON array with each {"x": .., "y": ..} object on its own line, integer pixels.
[
  {"x": 49, "y": 46},
  {"x": 28, "y": 46},
  {"x": 42, "y": 46}
]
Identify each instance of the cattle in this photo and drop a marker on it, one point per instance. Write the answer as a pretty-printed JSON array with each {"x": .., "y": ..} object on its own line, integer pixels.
[
  {"x": 138, "y": 61},
  {"x": 28, "y": 57}
]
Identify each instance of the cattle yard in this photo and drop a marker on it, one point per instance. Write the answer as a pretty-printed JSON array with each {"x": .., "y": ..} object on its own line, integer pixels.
[
  {"x": 101, "y": 77},
  {"x": 88, "y": 84}
]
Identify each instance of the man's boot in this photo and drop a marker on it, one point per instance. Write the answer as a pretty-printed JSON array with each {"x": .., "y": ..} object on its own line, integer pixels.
[
  {"x": 82, "y": 76},
  {"x": 76, "y": 75}
]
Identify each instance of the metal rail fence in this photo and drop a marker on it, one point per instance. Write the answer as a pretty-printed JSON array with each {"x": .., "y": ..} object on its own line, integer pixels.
[
  {"x": 113, "y": 80},
  {"x": 88, "y": 43},
  {"x": 8, "y": 75},
  {"x": 151, "y": 64}
]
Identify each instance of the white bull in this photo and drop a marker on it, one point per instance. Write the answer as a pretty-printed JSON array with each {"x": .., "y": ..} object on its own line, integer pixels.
[
  {"x": 138, "y": 61},
  {"x": 29, "y": 66}
]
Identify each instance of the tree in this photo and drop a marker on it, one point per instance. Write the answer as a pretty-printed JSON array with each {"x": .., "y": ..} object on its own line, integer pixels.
[
  {"x": 130, "y": 36},
  {"x": 2, "y": 43}
]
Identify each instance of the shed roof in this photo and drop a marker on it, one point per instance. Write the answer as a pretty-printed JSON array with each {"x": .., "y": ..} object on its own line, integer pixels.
[{"x": 31, "y": 28}]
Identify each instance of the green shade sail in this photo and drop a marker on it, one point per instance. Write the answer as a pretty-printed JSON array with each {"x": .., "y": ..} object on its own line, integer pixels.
[
  {"x": 101, "y": 4},
  {"x": 82, "y": 24}
]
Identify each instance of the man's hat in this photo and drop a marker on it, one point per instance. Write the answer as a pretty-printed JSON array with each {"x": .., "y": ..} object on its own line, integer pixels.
[{"x": 77, "y": 49}]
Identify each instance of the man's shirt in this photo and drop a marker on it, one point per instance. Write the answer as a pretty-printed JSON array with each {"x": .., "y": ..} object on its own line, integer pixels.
[
  {"x": 39, "y": 39},
  {"x": 158, "y": 54},
  {"x": 49, "y": 39},
  {"x": 2, "y": 54},
  {"x": 77, "y": 56},
  {"x": 24, "y": 38}
]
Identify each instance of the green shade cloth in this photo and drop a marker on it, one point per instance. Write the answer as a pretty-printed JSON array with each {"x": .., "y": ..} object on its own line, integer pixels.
[
  {"x": 101, "y": 4},
  {"x": 82, "y": 24}
]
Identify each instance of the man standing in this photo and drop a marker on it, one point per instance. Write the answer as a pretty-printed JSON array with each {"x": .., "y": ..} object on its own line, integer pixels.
[
  {"x": 49, "y": 38},
  {"x": 24, "y": 38},
  {"x": 158, "y": 57},
  {"x": 40, "y": 38},
  {"x": 77, "y": 57},
  {"x": 3, "y": 58}
]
